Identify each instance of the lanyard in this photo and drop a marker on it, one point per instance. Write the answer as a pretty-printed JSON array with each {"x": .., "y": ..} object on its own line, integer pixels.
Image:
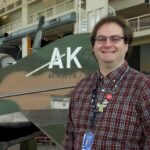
[
  {"x": 94, "y": 98},
  {"x": 94, "y": 107}
]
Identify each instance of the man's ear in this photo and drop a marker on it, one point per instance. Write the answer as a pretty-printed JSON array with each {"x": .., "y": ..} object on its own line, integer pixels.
[{"x": 127, "y": 47}]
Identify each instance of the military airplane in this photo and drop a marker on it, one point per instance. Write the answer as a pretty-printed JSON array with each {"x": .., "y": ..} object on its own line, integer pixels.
[
  {"x": 36, "y": 90},
  {"x": 17, "y": 127}
]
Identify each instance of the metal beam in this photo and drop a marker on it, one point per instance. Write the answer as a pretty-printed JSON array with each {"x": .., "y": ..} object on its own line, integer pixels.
[{"x": 49, "y": 24}]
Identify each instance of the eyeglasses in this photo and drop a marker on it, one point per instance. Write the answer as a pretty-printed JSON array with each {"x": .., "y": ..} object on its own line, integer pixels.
[{"x": 113, "y": 39}]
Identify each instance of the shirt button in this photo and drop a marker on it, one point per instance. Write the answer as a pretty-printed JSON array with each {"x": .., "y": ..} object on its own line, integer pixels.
[
  {"x": 103, "y": 90},
  {"x": 114, "y": 81}
]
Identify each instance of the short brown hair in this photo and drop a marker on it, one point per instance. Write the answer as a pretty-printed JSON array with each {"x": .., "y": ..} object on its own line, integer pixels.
[{"x": 128, "y": 35}]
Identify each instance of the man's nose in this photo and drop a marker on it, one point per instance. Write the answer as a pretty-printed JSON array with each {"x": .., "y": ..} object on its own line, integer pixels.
[{"x": 108, "y": 42}]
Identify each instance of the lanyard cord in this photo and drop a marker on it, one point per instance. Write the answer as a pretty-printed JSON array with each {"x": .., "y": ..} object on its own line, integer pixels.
[
  {"x": 94, "y": 97},
  {"x": 93, "y": 102}
]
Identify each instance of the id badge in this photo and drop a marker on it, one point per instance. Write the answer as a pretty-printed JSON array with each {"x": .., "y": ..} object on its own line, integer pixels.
[{"x": 87, "y": 141}]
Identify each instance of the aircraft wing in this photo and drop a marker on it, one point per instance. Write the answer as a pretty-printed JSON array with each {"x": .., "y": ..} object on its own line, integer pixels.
[
  {"x": 12, "y": 125},
  {"x": 41, "y": 84}
]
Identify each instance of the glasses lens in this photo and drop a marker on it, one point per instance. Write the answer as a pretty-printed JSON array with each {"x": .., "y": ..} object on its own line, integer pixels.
[
  {"x": 101, "y": 39},
  {"x": 113, "y": 39}
]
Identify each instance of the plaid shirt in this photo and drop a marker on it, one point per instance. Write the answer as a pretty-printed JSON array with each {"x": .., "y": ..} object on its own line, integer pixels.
[{"x": 125, "y": 122}]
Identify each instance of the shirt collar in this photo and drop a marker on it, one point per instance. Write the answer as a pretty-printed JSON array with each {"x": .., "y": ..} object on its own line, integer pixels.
[{"x": 115, "y": 75}]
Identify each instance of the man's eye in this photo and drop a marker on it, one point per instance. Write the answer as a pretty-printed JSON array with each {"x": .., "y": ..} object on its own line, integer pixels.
[
  {"x": 115, "y": 39},
  {"x": 102, "y": 39}
]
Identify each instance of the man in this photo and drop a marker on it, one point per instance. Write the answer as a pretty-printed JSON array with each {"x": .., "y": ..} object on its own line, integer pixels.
[{"x": 110, "y": 109}]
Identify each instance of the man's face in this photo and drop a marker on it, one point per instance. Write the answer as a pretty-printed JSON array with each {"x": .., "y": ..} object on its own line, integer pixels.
[{"x": 109, "y": 44}]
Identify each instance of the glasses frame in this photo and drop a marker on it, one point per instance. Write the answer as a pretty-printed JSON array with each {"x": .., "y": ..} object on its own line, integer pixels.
[{"x": 102, "y": 39}]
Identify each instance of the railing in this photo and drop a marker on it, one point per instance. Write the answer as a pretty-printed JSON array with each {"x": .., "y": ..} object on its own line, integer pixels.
[
  {"x": 11, "y": 26},
  {"x": 139, "y": 23},
  {"x": 53, "y": 11},
  {"x": 50, "y": 13},
  {"x": 11, "y": 5}
]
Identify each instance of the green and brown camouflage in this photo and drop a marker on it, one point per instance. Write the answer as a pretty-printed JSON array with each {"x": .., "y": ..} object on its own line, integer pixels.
[{"x": 39, "y": 86}]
